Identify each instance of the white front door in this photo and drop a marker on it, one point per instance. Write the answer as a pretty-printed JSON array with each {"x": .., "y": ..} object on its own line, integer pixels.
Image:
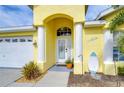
[{"x": 64, "y": 50}]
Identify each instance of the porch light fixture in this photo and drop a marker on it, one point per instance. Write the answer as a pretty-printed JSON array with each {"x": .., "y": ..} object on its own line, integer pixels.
[{"x": 35, "y": 43}]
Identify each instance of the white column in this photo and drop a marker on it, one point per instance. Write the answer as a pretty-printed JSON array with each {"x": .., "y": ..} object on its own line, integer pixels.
[
  {"x": 41, "y": 44},
  {"x": 108, "y": 47},
  {"x": 78, "y": 42}
]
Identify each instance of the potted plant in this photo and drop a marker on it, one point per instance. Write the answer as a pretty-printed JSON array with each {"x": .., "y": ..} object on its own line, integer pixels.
[{"x": 69, "y": 63}]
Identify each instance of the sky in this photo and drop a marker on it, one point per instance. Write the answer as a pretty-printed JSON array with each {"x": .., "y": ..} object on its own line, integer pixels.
[
  {"x": 13, "y": 15},
  {"x": 94, "y": 10},
  {"x": 21, "y": 15}
]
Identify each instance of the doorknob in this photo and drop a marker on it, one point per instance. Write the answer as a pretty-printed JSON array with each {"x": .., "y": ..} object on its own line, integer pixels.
[{"x": 66, "y": 49}]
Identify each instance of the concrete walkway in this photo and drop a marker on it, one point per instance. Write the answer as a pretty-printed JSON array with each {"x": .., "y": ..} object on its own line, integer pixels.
[
  {"x": 51, "y": 79},
  {"x": 55, "y": 77}
]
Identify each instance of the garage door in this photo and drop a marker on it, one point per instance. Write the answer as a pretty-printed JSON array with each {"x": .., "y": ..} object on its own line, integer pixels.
[{"x": 15, "y": 51}]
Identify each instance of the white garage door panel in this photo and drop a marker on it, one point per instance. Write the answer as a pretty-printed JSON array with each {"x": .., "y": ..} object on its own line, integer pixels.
[{"x": 16, "y": 54}]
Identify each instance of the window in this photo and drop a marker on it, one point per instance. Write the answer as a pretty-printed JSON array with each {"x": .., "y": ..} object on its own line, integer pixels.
[
  {"x": 117, "y": 56},
  {"x": 22, "y": 40},
  {"x": 64, "y": 31},
  {"x": 1, "y": 40},
  {"x": 115, "y": 53},
  {"x": 29, "y": 40},
  {"x": 14, "y": 40},
  {"x": 7, "y": 40}
]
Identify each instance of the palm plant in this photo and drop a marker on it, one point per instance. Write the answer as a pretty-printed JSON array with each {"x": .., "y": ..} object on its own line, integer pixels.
[
  {"x": 114, "y": 23},
  {"x": 120, "y": 44},
  {"x": 31, "y": 71},
  {"x": 115, "y": 6}
]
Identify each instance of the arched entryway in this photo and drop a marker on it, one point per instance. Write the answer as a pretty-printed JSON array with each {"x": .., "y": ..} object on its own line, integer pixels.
[
  {"x": 47, "y": 41},
  {"x": 59, "y": 39}
]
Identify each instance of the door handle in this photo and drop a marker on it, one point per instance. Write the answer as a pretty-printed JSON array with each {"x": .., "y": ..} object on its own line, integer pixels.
[{"x": 66, "y": 49}]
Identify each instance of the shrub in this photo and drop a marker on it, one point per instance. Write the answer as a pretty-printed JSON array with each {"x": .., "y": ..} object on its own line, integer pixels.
[
  {"x": 68, "y": 61},
  {"x": 121, "y": 71},
  {"x": 31, "y": 71}
]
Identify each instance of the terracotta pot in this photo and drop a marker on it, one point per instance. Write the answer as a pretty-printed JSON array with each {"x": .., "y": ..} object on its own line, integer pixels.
[{"x": 69, "y": 66}]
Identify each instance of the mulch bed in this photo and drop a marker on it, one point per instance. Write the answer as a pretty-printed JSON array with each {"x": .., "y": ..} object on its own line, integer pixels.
[
  {"x": 87, "y": 81},
  {"x": 24, "y": 80}
]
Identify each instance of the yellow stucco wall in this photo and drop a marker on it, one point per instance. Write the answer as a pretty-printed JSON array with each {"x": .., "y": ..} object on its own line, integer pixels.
[
  {"x": 93, "y": 42},
  {"x": 111, "y": 69},
  {"x": 50, "y": 44},
  {"x": 96, "y": 45},
  {"x": 76, "y": 12}
]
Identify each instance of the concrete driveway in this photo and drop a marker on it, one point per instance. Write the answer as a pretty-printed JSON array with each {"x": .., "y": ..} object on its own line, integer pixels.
[{"x": 8, "y": 76}]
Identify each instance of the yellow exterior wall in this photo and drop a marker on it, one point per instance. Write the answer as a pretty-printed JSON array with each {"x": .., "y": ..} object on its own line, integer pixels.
[
  {"x": 35, "y": 47},
  {"x": 77, "y": 12},
  {"x": 93, "y": 42},
  {"x": 15, "y": 34},
  {"x": 78, "y": 68},
  {"x": 96, "y": 46},
  {"x": 50, "y": 45},
  {"x": 111, "y": 69}
]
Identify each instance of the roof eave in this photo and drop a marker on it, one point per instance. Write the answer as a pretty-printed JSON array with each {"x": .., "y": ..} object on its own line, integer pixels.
[
  {"x": 18, "y": 29},
  {"x": 108, "y": 11},
  {"x": 94, "y": 23},
  {"x": 31, "y": 6}
]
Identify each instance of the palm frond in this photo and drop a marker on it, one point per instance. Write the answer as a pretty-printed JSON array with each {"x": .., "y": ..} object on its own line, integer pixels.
[{"x": 116, "y": 21}]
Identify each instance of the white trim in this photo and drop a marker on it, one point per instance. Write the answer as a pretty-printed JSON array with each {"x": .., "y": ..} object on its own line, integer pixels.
[
  {"x": 108, "y": 47},
  {"x": 41, "y": 44},
  {"x": 108, "y": 62},
  {"x": 18, "y": 29},
  {"x": 94, "y": 23},
  {"x": 108, "y": 11},
  {"x": 78, "y": 42}
]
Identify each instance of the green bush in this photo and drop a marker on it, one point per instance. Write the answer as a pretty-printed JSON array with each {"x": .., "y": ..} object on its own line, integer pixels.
[
  {"x": 68, "y": 61},
  {"x": 121, "y": 71},
  {"x": 31, "y": 71}
]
